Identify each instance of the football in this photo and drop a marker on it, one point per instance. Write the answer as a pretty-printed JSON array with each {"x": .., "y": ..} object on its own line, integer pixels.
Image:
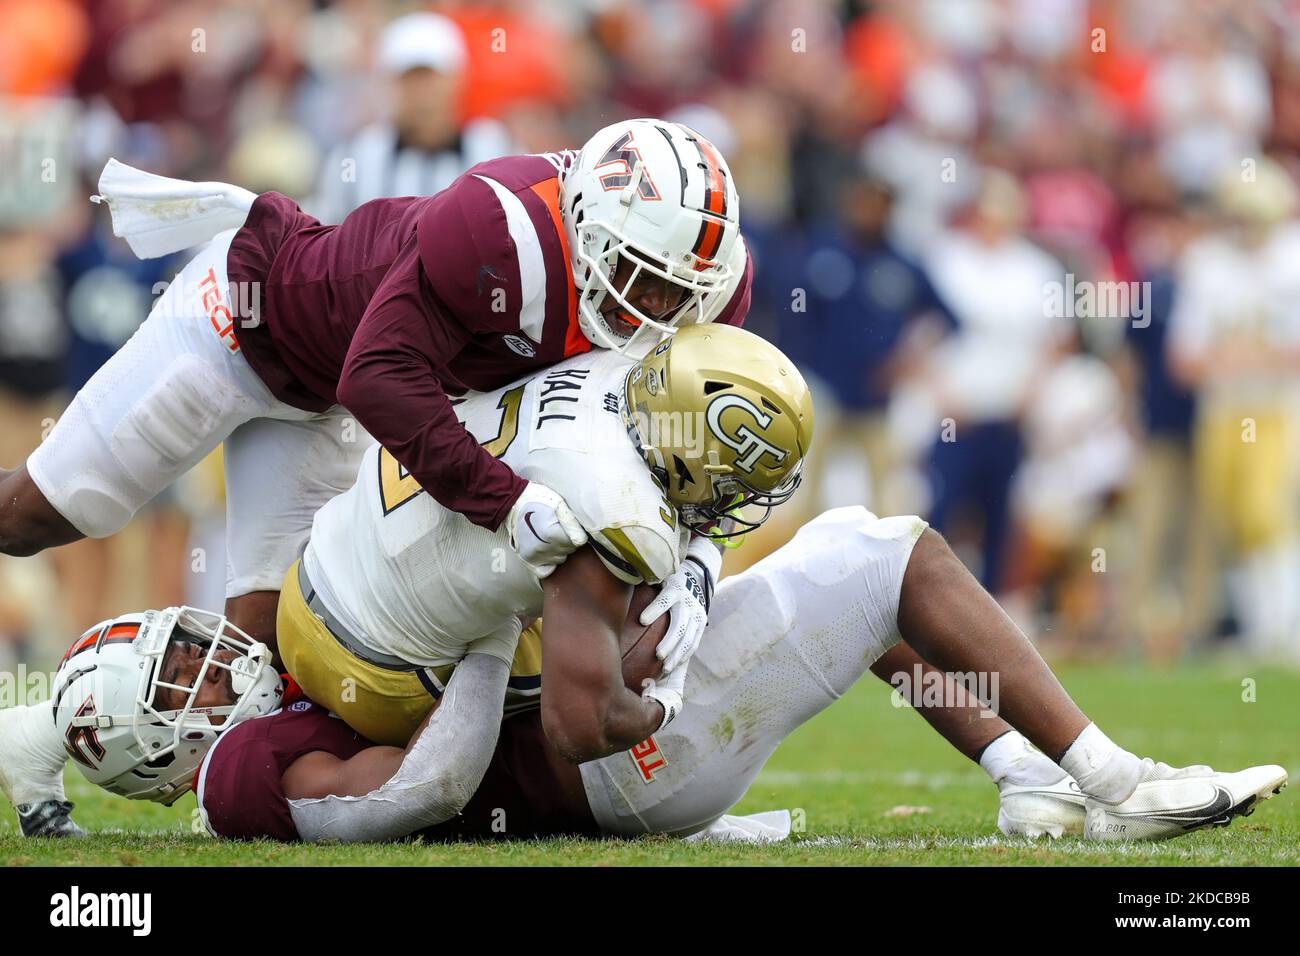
[{"x": 638, "y": 641}]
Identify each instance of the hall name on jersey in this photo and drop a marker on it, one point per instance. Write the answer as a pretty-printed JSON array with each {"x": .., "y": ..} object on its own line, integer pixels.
[{"x": 559, "y": 393}]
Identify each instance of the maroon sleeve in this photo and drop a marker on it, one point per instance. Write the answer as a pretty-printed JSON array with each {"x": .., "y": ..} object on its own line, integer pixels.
[
  {"x": 240, "y": 789},
  {"x": 738, "y": 307},
  {"x": 390, "y": 383}
]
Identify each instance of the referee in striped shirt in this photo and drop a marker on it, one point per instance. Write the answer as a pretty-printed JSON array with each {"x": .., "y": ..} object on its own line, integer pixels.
[{"x": 423, "y": 147}]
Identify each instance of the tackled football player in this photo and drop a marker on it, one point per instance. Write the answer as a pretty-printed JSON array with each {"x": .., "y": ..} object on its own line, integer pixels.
[
  {"x": 785, "y": 639},
  {"x": 281, "y": 331},
  {"x": 787, "y": 636},
  {"x": 393, "y": 588}
]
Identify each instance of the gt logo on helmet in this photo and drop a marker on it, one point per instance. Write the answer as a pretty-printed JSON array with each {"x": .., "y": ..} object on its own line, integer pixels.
[{"x": 748, "y": 445}]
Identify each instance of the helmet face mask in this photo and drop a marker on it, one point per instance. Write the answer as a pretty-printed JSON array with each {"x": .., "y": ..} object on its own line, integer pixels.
[
  {"x": 696, "y": 289},
  {"x": 217, "y": 637},
  {"x": 723, "y": 420},
  {"x": 109, "y": 710},
  {"x": 737, "y": 508},
  {"x": 659, "y": 196}
]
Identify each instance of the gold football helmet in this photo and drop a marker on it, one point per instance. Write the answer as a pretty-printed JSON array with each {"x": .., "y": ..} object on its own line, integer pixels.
[{"x": 724, "y": 421}]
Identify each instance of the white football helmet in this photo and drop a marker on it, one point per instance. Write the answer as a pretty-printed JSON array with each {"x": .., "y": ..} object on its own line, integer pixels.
[
  {"x": 105, "y": 689},
  {"x": 661, "y": 196}
]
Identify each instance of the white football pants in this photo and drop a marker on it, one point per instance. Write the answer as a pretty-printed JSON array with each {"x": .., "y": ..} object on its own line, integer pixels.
[{"x": 786, "y": 638}]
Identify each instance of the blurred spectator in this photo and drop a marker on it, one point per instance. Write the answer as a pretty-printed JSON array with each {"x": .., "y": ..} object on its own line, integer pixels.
[
  {"x": 1171, "y": 593},
  {"x": 864, "y": 329},
  {"x": 423, "y": 146},
  {"x": 41, "y": 42},
  {"x": 1079, "y": 455},
  {"x": 1235, "y": 338},
  {"x": 924, "y": 153},
  {"x": 983, "y": 377},
  {"x": 1211, "y": 102},
  {"x": 33, "y": 341}
]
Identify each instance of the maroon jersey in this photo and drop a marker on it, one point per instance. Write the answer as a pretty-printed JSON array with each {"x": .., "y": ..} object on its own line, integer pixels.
[
  {"x": 239, "y": 785},
  {"x": 409, "y": 299},
  {"x": 528, "y": 790}
]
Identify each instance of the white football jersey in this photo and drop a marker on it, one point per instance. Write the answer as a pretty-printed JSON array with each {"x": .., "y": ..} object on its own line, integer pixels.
[{"x": 411, "y": 578}]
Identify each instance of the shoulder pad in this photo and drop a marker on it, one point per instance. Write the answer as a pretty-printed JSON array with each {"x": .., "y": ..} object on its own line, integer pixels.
[{"x": 636, "y": 554}]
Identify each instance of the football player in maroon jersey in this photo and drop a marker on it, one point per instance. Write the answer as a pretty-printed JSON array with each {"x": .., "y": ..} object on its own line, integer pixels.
[{"x": 283, "y": 335}]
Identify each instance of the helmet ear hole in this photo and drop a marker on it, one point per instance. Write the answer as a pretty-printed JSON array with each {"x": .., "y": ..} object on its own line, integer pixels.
[
  {"x": 769, "y": 406},
  {"x": 711, "y": 387},
  {"x": 682, "y": 472},
  {"x": 158, "y": 763}
]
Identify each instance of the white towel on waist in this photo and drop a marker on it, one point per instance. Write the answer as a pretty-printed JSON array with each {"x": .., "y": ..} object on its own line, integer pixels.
[{"x": 158, "y": 216}]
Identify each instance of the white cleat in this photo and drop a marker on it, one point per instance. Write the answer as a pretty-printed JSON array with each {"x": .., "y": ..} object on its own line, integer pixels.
[
  {"x": 1054, "y": 811},
  {"x": 1169, "y": 802}
]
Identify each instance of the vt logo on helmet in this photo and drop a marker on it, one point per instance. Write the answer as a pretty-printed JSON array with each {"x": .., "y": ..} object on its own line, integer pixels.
[
  {"x": 651, "y": 219},
  {"x": 724, "y": 421},
  {"x": 139, "y": 700},
  {"x": 616, "y": 166}
]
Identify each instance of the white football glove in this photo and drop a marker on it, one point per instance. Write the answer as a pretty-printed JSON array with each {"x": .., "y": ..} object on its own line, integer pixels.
[
  {"x": 685, "y": 596},
  {"x": 668, "y": 691},
  {"x": 543, "y": 530}
]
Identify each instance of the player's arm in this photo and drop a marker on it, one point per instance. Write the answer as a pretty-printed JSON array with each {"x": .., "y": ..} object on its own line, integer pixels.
[
  {"x": 323, "y": 774},
  {"x": 587, "y": 712},
  {"x": 432, "y": 782},
  {"x": 390, "y": 383}
]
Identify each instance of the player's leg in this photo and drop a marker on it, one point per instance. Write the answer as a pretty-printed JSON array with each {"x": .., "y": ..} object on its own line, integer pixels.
[
  {"x": 952, "y": 622},
  {"x": 150, "y": 413},
  {"x": 790, "y": 635},
  {"x": 279, "y": 473},
  {"x": 28, "y": 522},
  {"x": 31, "y": 770},
  {"x": 1035, "y": 796},
  {"x": 169, "y": 396},
  {"x": 786, "y": 638}
]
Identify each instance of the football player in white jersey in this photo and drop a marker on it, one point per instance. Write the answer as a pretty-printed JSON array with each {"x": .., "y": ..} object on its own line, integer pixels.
[
  {"x": 651, "y": 456},
  {"x": 394, "y": 588}
]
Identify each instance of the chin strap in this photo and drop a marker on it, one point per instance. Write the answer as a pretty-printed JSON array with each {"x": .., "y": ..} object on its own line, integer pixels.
[{"x": 437, "y": 777}]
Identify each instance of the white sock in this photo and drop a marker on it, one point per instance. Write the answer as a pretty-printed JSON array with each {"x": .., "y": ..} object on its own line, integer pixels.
[
  {"x": 1101, "y": 767},
  {"x": 1011, "y": 759},
  {"x": 34, "y": 755}
]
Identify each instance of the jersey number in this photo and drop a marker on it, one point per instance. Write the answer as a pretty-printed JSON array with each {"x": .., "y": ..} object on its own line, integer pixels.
[{"x": 397, "y": 486}]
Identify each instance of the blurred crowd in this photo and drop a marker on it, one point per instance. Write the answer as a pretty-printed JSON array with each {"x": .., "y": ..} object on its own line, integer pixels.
[{"x": 1040, "y": 259}]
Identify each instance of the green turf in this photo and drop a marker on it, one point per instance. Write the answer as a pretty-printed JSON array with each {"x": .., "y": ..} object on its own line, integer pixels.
[{"x": 846, "y": 771}]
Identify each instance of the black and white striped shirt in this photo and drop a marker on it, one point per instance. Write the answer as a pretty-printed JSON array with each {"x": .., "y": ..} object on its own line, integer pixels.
[{"x": 372, "y": 166}]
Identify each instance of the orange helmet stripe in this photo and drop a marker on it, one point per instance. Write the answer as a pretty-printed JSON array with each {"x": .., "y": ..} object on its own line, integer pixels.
[
  {"x": 715, "y": 186},
  {"x": 709, "y": 241},
  {"x": 117, "y": 632}
]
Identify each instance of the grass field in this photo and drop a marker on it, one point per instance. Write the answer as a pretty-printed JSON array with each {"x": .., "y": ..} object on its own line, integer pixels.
[{"x": 847, "y": 770}]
